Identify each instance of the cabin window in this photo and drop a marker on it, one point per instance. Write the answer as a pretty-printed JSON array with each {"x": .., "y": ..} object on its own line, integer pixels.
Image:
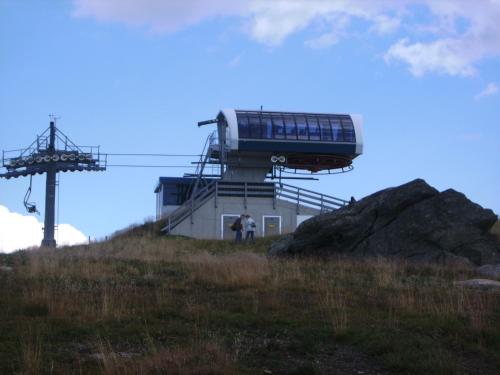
[
  {"x": 279, "y": 128},
  {"x": 348, "y": 128},
  {"x": 312, "y": 123},
  {"x": 336, "y": 130},
  {"x": 267, "y": 127},
  {"x": 176, "y": 193},
  {"x": 243, "y": 129},
  {"x": 301, "y": 127},
  {"x": 326, "y": 130},
  {"x": 291, "y": 130},
  {"x": 255, "y": 128}
]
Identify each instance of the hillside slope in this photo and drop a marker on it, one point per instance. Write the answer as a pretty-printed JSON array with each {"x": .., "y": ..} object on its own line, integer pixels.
[{"x": 147, "y": 304}]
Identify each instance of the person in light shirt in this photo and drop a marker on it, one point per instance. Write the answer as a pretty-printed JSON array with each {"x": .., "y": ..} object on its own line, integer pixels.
[{"x": 249, "y": 228}]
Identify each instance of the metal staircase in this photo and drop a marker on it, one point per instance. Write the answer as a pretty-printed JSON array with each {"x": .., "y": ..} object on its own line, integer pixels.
[
  {"x": 197, "y": 199},
  {"x": 198, "y": 196}
]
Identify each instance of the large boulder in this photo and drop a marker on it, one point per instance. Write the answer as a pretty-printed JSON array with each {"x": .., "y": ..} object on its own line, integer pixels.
[
  {"x": 413, "y": 221},
  {"x": 482, "y": 284}
]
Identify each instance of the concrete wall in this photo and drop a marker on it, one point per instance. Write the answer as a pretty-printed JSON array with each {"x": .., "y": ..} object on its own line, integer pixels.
[
  {"x": 167, "y": 210},
  {"x": 247, "y": 167},
  {"x": 207, "y": 222}
]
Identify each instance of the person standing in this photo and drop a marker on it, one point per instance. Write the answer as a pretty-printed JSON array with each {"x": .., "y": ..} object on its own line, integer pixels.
[
  {"x": 249, "y": 228},
  {"x": 238, "y": 228}
]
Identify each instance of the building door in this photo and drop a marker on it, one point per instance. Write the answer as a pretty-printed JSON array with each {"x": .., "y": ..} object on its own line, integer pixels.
[
  {"x": 226, "y": 232},
  {"x": 271, "y": 225}
]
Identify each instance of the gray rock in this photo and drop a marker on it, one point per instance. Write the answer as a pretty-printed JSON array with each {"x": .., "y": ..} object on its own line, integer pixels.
[
  {"x": 490, "y": 270},
  {"x": 483, "y": 284},
  {"x": 6, "y": 269},
  {"x": 413, "y": 221},
  {"x": 279, "y": 247}
]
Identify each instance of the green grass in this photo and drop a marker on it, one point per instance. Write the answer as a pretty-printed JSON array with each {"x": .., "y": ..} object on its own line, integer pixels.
[{"x": 145, "y": 304}]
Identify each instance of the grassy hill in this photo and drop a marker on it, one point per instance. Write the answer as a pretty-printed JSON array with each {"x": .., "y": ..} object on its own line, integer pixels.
[{"x": 145, "y": 304}]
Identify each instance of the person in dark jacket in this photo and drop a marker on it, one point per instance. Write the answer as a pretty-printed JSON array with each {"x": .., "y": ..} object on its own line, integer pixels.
[{"x": 238, "y": 228}]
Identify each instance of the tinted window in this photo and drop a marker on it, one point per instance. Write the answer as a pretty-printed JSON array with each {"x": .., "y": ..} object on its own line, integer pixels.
[
  {"x": 336, "y": 130},
  {"x": 312, "y": 123},
  {"x": 326, "y": 130},
  {"x": 243, "y": 129},
  {"x": 175, "y": 194},
  {"x": 267, "y": 127},
  {"x": 348, "y": 131},
  {"x": 291, "y": 131},
  {"x": 255, "y": 128},
  {"x": 279, "y": 128},
  {"x": 301, "y": 127}
]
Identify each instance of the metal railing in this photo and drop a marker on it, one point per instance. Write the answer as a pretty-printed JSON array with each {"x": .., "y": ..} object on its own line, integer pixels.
[
  {"x": 197, "y": 199},
  {"x": 309, "y": 198}
]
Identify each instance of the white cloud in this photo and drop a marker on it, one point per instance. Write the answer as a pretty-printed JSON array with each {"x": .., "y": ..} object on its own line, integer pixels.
[
  {"x": 384, "y": 24},
  {"x": 491, "y": 89},
  {"x": 453, "y": 52},
  {"x": 22, "y": 231},
  {"x": 157, "y": 15},
  {"x": 458, "y": 33},
  {"x": 442, "y": 56},
  {"x": 324, "y": 40},
  {"x": 273, "y": 21},
  {"x": 336, "y": 33}
]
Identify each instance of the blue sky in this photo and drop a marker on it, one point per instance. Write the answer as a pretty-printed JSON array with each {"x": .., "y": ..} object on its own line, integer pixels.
[{"x": 135, "y": 77}]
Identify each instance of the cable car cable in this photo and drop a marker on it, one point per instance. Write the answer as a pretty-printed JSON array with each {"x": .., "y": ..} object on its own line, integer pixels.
[
  {"x": 149, "y": 166},
  {"x": 160, "y": 155}
]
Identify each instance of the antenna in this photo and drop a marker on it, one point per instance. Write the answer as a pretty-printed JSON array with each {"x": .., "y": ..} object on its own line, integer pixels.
[{"x": 44, "y": 156}]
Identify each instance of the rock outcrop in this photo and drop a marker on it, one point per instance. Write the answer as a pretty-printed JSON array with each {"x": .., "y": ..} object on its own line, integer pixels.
[
  {"x": 413, "y": 221},
  {"x": 482, "y": 284},
  {"x": 490, "y": 270}
]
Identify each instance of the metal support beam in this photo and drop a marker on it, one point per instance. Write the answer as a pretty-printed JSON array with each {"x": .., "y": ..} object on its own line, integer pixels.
[
  {"x": 50, "y": 208},
  {"x": 50, "y": 194},
  {"x": 245, "y": 196}
]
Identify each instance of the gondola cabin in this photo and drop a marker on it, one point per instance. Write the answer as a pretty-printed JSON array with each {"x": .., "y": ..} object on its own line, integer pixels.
[{"x": 308, "y": 141}]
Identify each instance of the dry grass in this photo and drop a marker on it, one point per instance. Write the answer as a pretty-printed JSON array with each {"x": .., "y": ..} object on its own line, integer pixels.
[
  {"x": 198, "y": 358},
  {"x": 238, "y": 269},
  {"x": 57, "y": 288},
  {"x": 200, "y": 308},
  {"x": 335, "y": 302},
  {"x": 32, "y": 355}
]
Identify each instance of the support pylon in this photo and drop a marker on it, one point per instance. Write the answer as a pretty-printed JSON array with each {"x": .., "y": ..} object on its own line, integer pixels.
[
  {"x": 50, "y": 194},
  {"x": 43, "y": 156}
]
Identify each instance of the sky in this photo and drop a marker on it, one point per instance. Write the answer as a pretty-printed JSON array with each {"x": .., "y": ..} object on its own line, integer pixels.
[{"x": 136, "y": 76}]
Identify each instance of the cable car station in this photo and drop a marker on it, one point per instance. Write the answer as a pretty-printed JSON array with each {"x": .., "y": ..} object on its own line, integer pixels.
[{"x": 252, "y": 153}]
